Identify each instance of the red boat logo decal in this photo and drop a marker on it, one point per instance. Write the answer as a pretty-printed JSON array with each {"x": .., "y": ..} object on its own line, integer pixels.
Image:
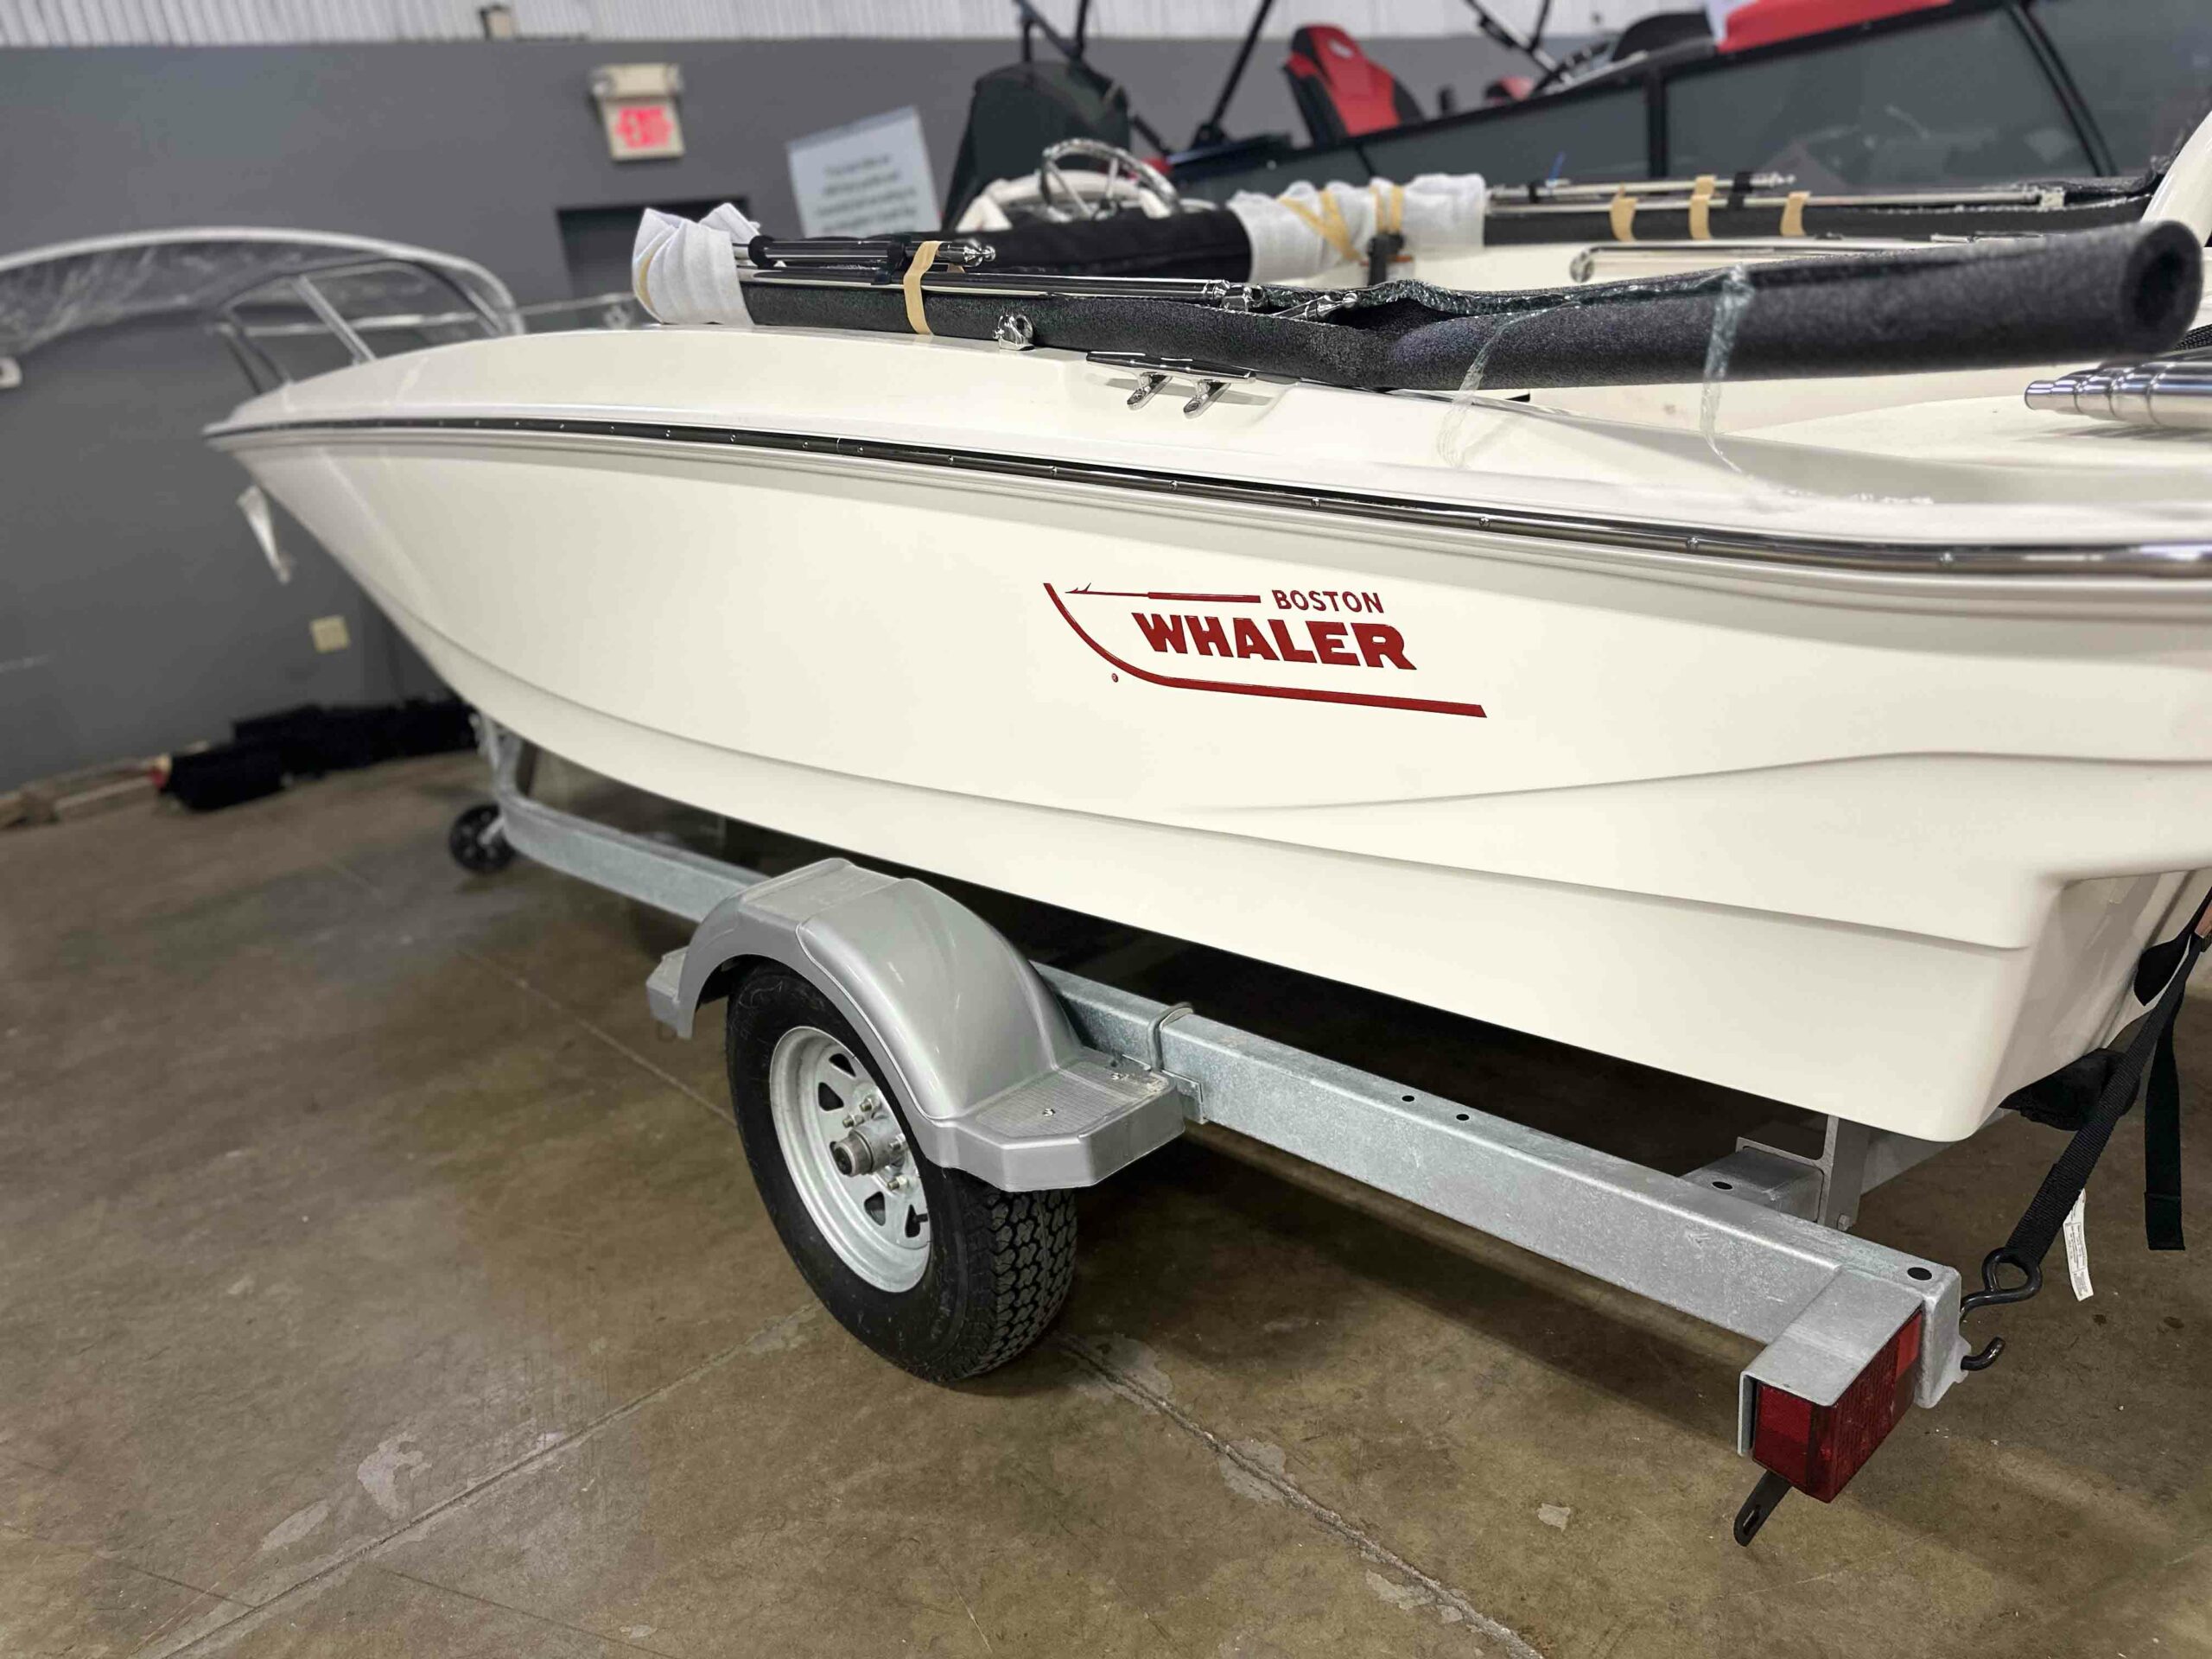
[{"x": 1331, "y": 640}]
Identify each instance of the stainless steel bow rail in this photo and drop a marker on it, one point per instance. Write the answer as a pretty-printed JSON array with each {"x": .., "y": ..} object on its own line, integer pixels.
[{"x": 1855, "y": 1332}]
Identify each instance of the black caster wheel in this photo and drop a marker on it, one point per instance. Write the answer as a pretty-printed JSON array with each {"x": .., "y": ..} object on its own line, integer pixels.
[
  {"x": 935, "y": 1270},
  {"x": 479, "y": 842}
]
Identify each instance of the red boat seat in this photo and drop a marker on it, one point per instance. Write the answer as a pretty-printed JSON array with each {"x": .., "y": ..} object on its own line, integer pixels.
[
  {"x": 1341, "y": 92},
  {"x": 1762, "y": 23}
]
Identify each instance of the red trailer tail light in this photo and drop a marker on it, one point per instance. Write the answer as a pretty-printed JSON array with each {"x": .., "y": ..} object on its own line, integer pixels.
[{"x": 1817, "y": 1449}]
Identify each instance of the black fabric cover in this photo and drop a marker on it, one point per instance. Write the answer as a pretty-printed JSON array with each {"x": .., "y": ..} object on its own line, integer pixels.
[
  {"x": 1016, "y": 112},
  {"x": 2113, "y": 293},
  {"x": 1209, "y": 243}
]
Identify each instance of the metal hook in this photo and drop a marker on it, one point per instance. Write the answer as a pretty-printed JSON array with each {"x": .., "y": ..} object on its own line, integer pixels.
[
  {"x": 1769, "y": 1492},
  {"x": 1992, "y": 1294},
  {"x": 1157, "y": 1055}
]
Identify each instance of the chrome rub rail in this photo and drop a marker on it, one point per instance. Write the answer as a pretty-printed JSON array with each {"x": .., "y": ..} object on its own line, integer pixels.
[{"x": 2178, "y": 560}]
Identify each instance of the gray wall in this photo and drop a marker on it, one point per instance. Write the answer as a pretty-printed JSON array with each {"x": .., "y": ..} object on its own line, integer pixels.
[{"x": 136, "y": 613}]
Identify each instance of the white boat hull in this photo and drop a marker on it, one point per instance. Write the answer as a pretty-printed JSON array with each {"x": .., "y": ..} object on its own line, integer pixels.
[{"x": 1880, "y": 845}]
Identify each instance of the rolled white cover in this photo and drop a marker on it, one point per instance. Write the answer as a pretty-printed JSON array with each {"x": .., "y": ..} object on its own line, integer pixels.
[
  {"x": 687, "y": 272},
  {"x": 1442, "y": 214}
]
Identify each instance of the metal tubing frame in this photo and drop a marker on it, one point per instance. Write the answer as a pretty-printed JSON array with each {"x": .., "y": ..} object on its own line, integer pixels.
[
  {"x": 1210, "y": 130},
  {"x": 1824, "y": 1301},
  {"x": 668, "y": 878},
  {"x": 319, "y": 303}
]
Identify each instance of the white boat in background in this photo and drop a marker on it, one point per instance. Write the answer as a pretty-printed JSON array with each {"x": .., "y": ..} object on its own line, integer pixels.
[{"x": 1841, "y": 740}]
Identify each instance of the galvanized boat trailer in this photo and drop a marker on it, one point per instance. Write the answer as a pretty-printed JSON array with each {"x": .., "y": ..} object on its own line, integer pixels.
[{"x": 1034, "y": 1080}]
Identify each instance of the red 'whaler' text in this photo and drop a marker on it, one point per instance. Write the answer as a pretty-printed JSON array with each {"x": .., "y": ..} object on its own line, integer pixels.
[
  {"x": 1348, "y": 644},
  {"x": 1192, "y": 626}
]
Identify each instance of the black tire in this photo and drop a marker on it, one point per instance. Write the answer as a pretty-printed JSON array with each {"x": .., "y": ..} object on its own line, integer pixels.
[
  {"x": 477, "y": 844},
  {"x": 1000, "y": 1263}
]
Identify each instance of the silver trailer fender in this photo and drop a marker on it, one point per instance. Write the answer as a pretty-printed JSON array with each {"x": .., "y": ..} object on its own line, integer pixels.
[{"x": 978, "y": 1048}]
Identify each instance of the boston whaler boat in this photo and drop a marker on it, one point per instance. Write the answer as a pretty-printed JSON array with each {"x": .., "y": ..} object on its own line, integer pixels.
[{"x": 1686, "y": 643}]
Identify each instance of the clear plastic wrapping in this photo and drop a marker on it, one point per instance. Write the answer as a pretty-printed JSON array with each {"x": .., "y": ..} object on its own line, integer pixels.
[{"x": 47, "y": 293}]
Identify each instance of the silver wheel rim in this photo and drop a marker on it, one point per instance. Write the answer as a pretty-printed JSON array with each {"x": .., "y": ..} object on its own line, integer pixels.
[{"x": 824, "y": 1105}]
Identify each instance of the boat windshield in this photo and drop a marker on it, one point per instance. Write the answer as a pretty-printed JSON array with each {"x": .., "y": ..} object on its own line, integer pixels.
[
  {"x": 2143, "y": 67},
  {"x": 1965, "y": 102},
  {"x": 1980, "y": 92}
]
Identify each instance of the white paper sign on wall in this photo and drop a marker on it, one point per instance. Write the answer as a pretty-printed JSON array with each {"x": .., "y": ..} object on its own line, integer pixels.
[{"x": 864, "y": 179}]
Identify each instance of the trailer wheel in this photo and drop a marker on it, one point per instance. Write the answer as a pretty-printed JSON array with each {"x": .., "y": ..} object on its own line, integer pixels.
[
  {"x": 937, "y": 1271},
  {"x": 479, "y": 842}
]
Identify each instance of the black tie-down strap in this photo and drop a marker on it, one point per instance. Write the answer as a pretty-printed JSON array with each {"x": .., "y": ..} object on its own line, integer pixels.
[{"x": 2089, "y": 1098}]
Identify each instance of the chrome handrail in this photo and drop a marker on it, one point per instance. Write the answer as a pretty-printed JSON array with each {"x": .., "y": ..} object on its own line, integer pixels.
[
  {"x": 606, "y": 305},
  {"x": 319, "y": 303},
  {"x": 228, "y": 320}
]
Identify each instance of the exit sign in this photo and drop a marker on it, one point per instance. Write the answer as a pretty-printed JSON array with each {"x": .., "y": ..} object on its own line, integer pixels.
[
  {"x": 637, "y": 107},
  {"x": 644, "y": 131}
]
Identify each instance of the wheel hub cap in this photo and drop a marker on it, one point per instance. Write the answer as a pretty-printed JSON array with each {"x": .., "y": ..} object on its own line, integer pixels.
[{"x": 848, "y": 1159}]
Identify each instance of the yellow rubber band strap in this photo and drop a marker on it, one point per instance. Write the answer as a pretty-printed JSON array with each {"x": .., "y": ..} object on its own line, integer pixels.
[
  {"x": 1339, "y": 233},
  {"x": 1792, "y": 212},
  {"x": 1328, "y": 224},
  {"x": 1621, "y": 213},
  {"x": 924, "y": 256},
  {"x": 1390, "y": 219},
  {"x": 1702, "y": 207}
]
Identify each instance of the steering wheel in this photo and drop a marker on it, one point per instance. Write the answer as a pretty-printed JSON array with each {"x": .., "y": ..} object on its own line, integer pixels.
[{"x": 1118, "y": 163}]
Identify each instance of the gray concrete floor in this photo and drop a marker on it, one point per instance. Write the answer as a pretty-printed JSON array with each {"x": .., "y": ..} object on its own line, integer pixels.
[{"x": 375, "y": 1279}]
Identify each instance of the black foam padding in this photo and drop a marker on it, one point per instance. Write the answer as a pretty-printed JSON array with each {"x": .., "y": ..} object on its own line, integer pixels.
[
  {"x": 1200, "y": 244},
  {"x": 2129, "y": 291},
  {"x": 2194, "y": 341}
]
